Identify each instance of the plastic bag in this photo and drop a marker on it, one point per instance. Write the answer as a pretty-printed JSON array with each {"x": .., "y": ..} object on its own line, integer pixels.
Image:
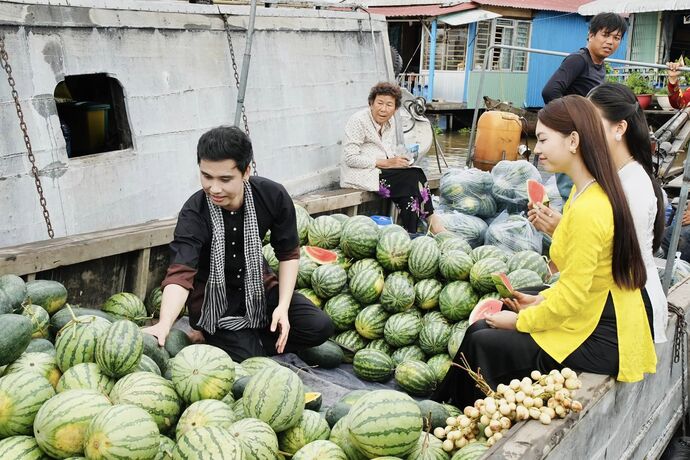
[
  {"x": 513, "y": 233},
  {"x": 681, "y": 270},
  {"x": 510, "y": 184},
  {"x": 468, "y": 191},
  {"x": 471, "y": 228}
]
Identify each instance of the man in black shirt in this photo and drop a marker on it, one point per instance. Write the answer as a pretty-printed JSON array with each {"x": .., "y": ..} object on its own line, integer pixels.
[
  {"x": 585, "y": 69},
  {"x": 217, "y": 267}
]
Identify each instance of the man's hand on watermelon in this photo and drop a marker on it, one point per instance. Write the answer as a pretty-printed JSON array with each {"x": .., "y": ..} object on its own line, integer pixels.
[
  {"x": 520, "y": 301},
  {"x": 502, "y": 320},
  {"x": 544, "y": 218}
]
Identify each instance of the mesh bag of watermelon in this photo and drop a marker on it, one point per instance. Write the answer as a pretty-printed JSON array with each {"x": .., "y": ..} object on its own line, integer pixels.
[
  {"x": 471, "y": 228},
  {"x": 509, "y": 188},
  {"x": 513, "y": 233},
  {"x": 468, "y": 191}
]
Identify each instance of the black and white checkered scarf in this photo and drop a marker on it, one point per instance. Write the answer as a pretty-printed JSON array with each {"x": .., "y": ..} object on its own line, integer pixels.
[{"x": 215, "y": 297}]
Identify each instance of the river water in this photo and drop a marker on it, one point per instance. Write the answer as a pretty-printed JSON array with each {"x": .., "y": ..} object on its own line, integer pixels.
[{"x": 454, "y": 148}]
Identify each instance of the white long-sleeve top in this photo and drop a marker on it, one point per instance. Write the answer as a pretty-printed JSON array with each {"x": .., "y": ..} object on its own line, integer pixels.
[{"x": 643, "y": 207}]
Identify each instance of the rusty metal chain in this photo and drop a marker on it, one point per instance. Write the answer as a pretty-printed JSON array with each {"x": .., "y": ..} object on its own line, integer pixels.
[
  {"x": 237, "y": 81},
  {"x": 4, "y": 61}
]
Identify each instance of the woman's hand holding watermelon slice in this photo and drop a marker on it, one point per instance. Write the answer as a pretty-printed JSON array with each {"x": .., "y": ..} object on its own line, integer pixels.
[
  {"x": 543, "y": 218},
  {"x": 520, "y": 301},
  {"x": 502, "y": 320}
]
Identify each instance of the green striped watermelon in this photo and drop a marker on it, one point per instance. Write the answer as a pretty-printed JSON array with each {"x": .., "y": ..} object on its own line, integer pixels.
[
  {"x": 12, "y": 293},
  {"x": 206, "y": 412},
  {"x": 40, "y": 345},
  {"x": 303, "y": 221},
  {"x": 424, "y": 257},
  {"x": 523, "y": 278},
  {"x": 491, "y": 295},
  {"x": 371, "y": 427},
  {"x": 362, "y": 265},
  {"x": 380, "y": 345},
  {"x": 328, "y": 355},
  {"x": 15, "y": 337},
  {"x": 40, "y": 321},
  {"x": 311, "y": 427},
  {"x": 472, "y": 451},
  {"x": 426, "y": 293},
  {"x": 119, "y": 348},
  {"x": 373, "y": 365},
  {"x": 370, "y": 322},
  {"x": 480, "y": 275},
  {"x": 123, "y": 431},
  {"x": 67, "y": 314},
  {"x": 328, "y": 280},
  {"x": 351, "y": 342},
  {"x": 342, "y": 309},
  {"x": 306, "y": 268},
  {"x": 39, "y": 363},
  {"x": 455, "y": 265},
  {"x": 342, "y": 259},
  {"x": 208, "y": 443},
  {"x": 340, "y": 436},
  {"x": 166, "y": 447},
  {"x": 270, "y": 256},
  {"x": 456, "y": 338},
  {"x": 153, "y": 302},
  {"x": 276, "y": 396},
  {"x": 367, "y": 286},
  {"x": 311, "y": 296},
  {"x": 21, "y": 396},
  {"x": 158, "y": 354},
  {"x": 428, "y": 447},
  {"x": 448, "y": 241},
  {"x": 408, "y": 353},
  {"x": 76, "y": 342},
  {"x": 320, "y": 450},
  {"x": 457, "y": 299},
  {"x": 432, "y": 316},
  {"x": 257, "y": 438},
  {"x": 126, "y": 305},
  {"x": 415, "y": 377},
  {"x": 398, "y": 294},
  {"x": 21, "y": 448},
  {"x": 238, "y": 409},
  {"x": 488, "y": 251},
  {"x": 151, "y": 392},
  {"x": 85, "y": 376},
  {"x": 61, "y": 422},
  {"x": 324, "y": 232},
  {"x": 433, "y": 337},
  {"x": 340, "y": 217},
  {"x": 440, "y": 364},
  {"x": 402, "y": 329},
  {"x": 257, "y": 363},
  {"x": 359, "y": 237},
  {"x": 530, "y": 260},
  {"x": 434, "y": 414},
  {"x": 49, "y": 294},
  {"x": 202, "y": 372},
  {"x": 393, "y": 250}
]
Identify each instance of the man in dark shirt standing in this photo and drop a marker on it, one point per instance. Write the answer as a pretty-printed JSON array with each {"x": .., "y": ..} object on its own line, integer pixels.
[
  {"x": 217, "y": 267},
  {"x": 583, "y": 70}
]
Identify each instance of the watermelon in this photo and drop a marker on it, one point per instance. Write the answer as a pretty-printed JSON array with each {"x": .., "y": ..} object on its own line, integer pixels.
[
  {"x": 158, "y": 354},
  {"x": 319, "y": 450},
  {"x": 312, "y": 400},
  {"x": 76, "y": 342},
  {"x": 276, "y": 396},
  {"x": 257, "y": 438},
  {"x": 523, "y": 278},
  {"x": 40, "y": 345},
  {"x": 306, "y": 268},
  {"x": 202, "y": 372},
  {"x": 428, "y": 447},
  {"x": 488, "y": 251},
  {"x": 311, "y": 427},
  {"x": 457, "y": 300},
  {"x": 485, "y": 308},
  {"x": 487, "y": 206},
  {"x": 151, "y": 392},
  {"x": 324, "y": 232},
  {"x": 238, "y": 386},
  {"x": 456, "y": 339},
  {"x": 328, "y": 280},
  {"x": 410, "y": 352},
  {"x": 530, "y": 260},
  {"x": 536, "y": 192},
  {"x": 176, "y": 341},
  {"x": 351, "y": 342},
  {"x": 455, "y": 265},
  {"x": 42, "y": 364},
  {"x": 402, "y": 329},
  {"x": 166, "y": 447},
  {"x": 367, "y": 285},
  {"x": 257, "y": 363},
  {"x": 270, "y": 257},
  {"x": 503, "y": 285},
  {"x": 12, "y": 293},
  {"x": 15, "y": 337},
  {"x": 424, "y": 257},
  {"x": 514, "y": 233},
  {"x": 340, "y": 217},
  {"x": 370, "y": 322},
  {"x": 472, "y": 451},
  {"x": 21, "y": 448},
  {"x": 126, "y": 305},
  {"x": 373, "y": 365},
  {"x": 153, "y": 302},
  {"x": 61, "y": 422},
  {"x": 311, "y": 296},
  {"x": 398, "y": 294},
  {"x": 40, "y": 321},
  {"x": 380, "y": 345},
  {"x": 553, "y": 279},
  {"x": 303, "y": 221},
  {"x": 370, "y": 426},
  {"x": 328, "y": 355},
  {"x": 122, "y": 431},
  {"x": 431, "y": 316},
  {"x": 119, "y": 348},
  {"x": 343, "y": 260},
  {"x": 202, "y": 413},
  {"x": 67, "y": 314},
  {"x": 393, "y": 250},
  {"x": 433, "y": 337},
  {"x": 359, "y": 237},
  {"x": 320, "y": 256},
  {"x": 238, "y": 409},
  {"x": 342, "y": 309},
  {"x": 208, "y": 443},
  {"x": 21, "y": 396},
  {"x": 49, "y": 294},
  {"x": 85, "y": 376},
  {"x": 362, "y": 265},
  {"x": 340, "y": 436},
  {"x": 440, "y": 364},
  {"x": 415, "y": 377},
  {"x": 480, "y": 275},
  {"x": 448, "y": 241}
]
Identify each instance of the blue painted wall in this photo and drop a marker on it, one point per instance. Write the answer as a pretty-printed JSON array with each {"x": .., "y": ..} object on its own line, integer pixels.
[{"x": 556, "y": 32}]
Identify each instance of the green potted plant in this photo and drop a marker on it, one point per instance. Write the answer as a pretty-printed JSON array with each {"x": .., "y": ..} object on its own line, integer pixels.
[{"x": 641, "y": 88}]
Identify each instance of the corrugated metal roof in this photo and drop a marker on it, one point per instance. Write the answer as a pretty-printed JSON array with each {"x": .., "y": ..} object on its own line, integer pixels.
[
  {"x": 565, "y": 6},
  {"x": 633, "y": 6},
  {"x": 419, "y": 10}
]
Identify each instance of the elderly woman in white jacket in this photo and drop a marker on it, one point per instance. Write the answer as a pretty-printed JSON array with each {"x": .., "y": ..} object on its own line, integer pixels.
[{"x": 370, "y": 161}]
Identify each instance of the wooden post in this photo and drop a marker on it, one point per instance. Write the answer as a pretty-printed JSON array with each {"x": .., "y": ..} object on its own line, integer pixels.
[{"x": 141, "y": 275}]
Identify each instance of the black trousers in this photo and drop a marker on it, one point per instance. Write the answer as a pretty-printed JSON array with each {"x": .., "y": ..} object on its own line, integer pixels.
[
  {"x": 309, "y": 327},
  {"x": 408, "y": 188}
]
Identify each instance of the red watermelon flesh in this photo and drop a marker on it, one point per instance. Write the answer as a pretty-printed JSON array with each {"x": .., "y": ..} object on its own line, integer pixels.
[
  {"x": 503, "y": 285},
  {"x": 485, "y": 308},
  {"x": 536, "y": 192},
  {"x": 320, "y": 256}
]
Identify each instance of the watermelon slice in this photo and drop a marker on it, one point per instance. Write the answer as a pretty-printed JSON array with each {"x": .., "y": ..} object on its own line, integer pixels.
[
  {"x": 503, "y": 285},
  {"x": 537, "y": 192},
  {"x": 485, "y": 308},
  {"x": 319, "y": 255}
]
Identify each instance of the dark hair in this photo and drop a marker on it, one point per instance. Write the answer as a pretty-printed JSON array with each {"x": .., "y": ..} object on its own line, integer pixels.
[
  {"x": 617, "y": 103},
  {"x": 225, "y": 143},
  {"x": 383, "y": 88},
  {"x": 575, "y": 113},
  {"x": 608, "y": 22}
]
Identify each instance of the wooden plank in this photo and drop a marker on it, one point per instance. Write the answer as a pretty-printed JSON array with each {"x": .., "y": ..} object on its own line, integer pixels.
[
  {"x": 141, "y": 275},
  {"x": 318, "y": 202}
]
